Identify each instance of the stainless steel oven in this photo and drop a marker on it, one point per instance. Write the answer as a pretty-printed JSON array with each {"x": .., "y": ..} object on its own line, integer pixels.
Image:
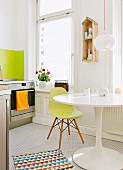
[
  {"x": 18, "y": 115},
  {"x": 18, "y": 118}
]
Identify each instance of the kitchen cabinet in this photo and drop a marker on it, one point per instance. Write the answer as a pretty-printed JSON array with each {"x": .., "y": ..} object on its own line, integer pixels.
[
  {"x": 42, "y": 114},
  {"x": 4, "y": 132}
]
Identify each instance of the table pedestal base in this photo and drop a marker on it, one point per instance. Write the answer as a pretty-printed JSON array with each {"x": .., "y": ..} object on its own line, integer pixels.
[{"x": 104, "y": 159}]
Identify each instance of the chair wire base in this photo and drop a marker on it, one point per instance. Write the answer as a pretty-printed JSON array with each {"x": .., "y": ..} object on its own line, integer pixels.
[{"x": 70, "y": 123}]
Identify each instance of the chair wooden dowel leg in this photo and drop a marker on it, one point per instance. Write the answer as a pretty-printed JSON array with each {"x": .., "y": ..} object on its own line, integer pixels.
[
  {"x": 61, "y": 129},
  {"x": 68, "y": 126},
  {"x": 79, "y": 131},
  {"x": 52, "y": 128}
]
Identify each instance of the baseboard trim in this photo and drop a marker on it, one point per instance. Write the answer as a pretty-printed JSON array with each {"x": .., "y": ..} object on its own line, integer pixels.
[
  {"x": 48, "y": 120},
  {"x": 44, "y": 120}
]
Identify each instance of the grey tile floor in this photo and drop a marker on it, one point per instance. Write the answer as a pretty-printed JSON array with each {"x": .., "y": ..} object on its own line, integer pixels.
[{"x": 33, "y": 138}]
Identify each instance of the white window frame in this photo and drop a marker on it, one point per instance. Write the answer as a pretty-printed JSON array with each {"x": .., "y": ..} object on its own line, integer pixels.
[{"x": 53, "y": 16}]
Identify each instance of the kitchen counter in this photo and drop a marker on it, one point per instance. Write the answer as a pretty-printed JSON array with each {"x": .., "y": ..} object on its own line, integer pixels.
[
  {"x": 16, "y": 85},
  {"x": 15, "y": 82},
  {"x": 5, "y": 92}
]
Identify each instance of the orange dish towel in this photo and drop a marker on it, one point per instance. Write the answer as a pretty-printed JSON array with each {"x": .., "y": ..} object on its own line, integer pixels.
[{"x": 22, "y": 100}]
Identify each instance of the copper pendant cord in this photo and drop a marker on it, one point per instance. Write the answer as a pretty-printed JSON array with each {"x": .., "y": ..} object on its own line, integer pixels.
[{"x": 104, "y": 14}]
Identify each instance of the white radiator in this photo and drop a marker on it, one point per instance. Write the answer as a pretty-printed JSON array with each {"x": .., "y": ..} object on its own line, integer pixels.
[{"x": 113, "y": 120}]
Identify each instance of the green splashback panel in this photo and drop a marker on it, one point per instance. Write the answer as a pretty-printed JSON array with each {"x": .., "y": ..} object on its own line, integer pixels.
[
  {"x": 12, "y": 64},
  {"x": 20, "y": 65}
]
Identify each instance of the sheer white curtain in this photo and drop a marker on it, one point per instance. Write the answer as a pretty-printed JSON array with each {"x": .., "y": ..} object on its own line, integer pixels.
[{"x": 117, "y": 51}]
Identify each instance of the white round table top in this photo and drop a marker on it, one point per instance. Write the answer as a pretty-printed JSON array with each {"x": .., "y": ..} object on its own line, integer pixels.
[{"x": 112, "y": 100}]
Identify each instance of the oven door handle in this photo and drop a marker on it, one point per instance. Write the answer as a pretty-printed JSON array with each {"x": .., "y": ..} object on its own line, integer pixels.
[{"x": 31, "y": 90}]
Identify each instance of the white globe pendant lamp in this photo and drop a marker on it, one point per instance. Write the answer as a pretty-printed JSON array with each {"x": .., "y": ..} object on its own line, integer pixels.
[{"x": 104, "y": 41}]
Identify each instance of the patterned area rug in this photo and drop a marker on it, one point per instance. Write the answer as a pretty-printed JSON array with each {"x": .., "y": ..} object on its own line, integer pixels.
[{"x": 47, "y": 160}]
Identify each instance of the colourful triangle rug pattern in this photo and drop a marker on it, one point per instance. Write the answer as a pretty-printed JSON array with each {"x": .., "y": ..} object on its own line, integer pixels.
[{"x": 47, "y": 160}]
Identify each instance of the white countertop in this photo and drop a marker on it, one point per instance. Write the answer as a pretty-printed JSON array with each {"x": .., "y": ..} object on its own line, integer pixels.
[
  {"x": 15, "y": 82},
  {"x": 112, "y": 100},
  {"x": 5, "y": 92}
]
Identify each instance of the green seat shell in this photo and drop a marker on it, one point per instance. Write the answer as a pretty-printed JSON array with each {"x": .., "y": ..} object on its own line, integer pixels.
[{"x": 59, "y": 110}]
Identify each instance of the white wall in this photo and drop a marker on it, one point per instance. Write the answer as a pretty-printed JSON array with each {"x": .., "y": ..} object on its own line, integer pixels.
[
  {"x": 17, "y": 30},
  {"x": 25, "y": 36},
  {"x": 13, "y": 19},
  {"x": 21, "y": 24},
  {"x": 97, "y": 73},
  {"x": 31, "y": 39},
  {"x": 7, "y": 23}
]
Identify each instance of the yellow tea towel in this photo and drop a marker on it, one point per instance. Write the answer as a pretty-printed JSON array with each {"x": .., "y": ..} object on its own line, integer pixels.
[{"x": 22, "y": 100}]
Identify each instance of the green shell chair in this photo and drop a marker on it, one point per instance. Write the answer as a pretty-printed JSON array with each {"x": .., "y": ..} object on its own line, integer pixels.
[{"x": 63, "y": 113}]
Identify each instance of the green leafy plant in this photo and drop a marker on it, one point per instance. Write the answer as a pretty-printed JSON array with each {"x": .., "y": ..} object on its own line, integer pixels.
[{"x": 43, "y": 75}]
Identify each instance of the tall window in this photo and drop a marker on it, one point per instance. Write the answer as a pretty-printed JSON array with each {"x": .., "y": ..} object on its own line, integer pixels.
[
  {"x": 52, "y": 6},
  {"x": 118, "y": 49},
  {"x": 55, "y": 38}
]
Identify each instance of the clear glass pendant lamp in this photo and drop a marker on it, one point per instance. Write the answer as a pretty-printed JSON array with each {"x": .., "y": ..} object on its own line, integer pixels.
[{"x": 104, "y": 41}]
